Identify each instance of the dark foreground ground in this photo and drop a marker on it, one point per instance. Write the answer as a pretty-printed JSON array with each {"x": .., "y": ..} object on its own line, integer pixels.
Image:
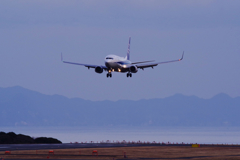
[{"x": 116, "y": 151}]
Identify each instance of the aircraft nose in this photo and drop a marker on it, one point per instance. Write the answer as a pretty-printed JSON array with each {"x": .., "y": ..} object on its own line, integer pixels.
[{"x": 106, "y": 64}]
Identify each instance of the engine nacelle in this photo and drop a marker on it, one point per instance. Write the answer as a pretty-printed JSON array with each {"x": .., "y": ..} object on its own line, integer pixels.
[
  {"x": 99, "y": 69},
  {"x": 133, "y": 69}
]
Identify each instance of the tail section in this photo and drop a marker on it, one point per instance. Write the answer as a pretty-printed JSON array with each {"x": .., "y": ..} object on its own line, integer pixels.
[{"x": 128, "y": 52}]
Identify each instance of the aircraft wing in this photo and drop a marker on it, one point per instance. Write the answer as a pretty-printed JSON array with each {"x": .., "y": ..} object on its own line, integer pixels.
[
  {"x": 86, "y": 65},
  {"x": 142, "y": 62},
  {"x": 141, "y": 66}
]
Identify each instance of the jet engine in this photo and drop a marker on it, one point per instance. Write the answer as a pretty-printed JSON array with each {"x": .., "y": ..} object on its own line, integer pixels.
[
  {"x": 133, "y": 69},
  {"x": 99, "y": 69}
]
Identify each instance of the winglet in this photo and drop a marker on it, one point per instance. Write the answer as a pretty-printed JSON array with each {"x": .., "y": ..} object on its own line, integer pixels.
[{"x": 182, "y": 56}]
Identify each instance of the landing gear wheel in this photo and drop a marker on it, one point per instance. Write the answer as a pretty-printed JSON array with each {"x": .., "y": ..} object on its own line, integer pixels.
[
  {"x": 109, "y": 75},
  {"x": 129, "y": 74}
]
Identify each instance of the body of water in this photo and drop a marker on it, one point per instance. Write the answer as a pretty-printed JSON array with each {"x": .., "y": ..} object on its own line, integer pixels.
[{"x": 207, "y": 135}]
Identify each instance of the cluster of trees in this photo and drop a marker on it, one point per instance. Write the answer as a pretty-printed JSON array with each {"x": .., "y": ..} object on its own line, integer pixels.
[{"x": 13, "y": 138}]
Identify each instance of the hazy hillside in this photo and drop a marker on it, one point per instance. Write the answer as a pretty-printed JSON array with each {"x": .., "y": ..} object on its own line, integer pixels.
[{"x": 22, "y": 107}]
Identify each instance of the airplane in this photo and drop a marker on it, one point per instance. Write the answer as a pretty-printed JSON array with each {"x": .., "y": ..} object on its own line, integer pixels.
[{"x": 115, "y": 63}]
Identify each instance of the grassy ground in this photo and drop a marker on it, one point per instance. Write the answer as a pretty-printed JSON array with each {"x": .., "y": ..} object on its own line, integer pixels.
[{"x": 161, "y": 152}]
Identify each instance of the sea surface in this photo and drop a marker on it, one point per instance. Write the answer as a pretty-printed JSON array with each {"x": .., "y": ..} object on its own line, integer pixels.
[{"x": 203, "y": 135}]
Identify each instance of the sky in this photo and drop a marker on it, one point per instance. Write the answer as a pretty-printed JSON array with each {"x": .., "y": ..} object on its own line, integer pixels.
[{"x": 33, "y": 34}]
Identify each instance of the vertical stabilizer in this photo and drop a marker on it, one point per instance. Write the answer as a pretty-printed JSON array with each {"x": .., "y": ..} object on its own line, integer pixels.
[{"x": 128, "y": 52}]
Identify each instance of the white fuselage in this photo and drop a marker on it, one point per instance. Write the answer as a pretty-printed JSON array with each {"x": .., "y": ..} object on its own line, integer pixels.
[{"x": 117, "y": 64}]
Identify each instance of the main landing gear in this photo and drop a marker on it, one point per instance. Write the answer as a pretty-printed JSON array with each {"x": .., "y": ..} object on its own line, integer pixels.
[
  {"x": 129, "y": 74},
  {"x": 109, "y": 75}
]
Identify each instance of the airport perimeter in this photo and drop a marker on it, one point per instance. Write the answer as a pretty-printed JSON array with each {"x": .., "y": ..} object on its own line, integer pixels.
[{"x": 115, "y": 151}]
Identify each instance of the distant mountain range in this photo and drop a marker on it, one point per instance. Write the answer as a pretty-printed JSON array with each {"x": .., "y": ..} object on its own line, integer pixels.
[{"x": 23, "y": 107}]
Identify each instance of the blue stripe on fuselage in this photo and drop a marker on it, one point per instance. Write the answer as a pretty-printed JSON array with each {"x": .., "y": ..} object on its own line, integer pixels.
[{"x": 122, "y": 63}]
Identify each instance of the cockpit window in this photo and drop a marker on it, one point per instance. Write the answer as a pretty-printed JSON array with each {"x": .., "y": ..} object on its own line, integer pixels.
[{"x": 109, "y": 58}]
